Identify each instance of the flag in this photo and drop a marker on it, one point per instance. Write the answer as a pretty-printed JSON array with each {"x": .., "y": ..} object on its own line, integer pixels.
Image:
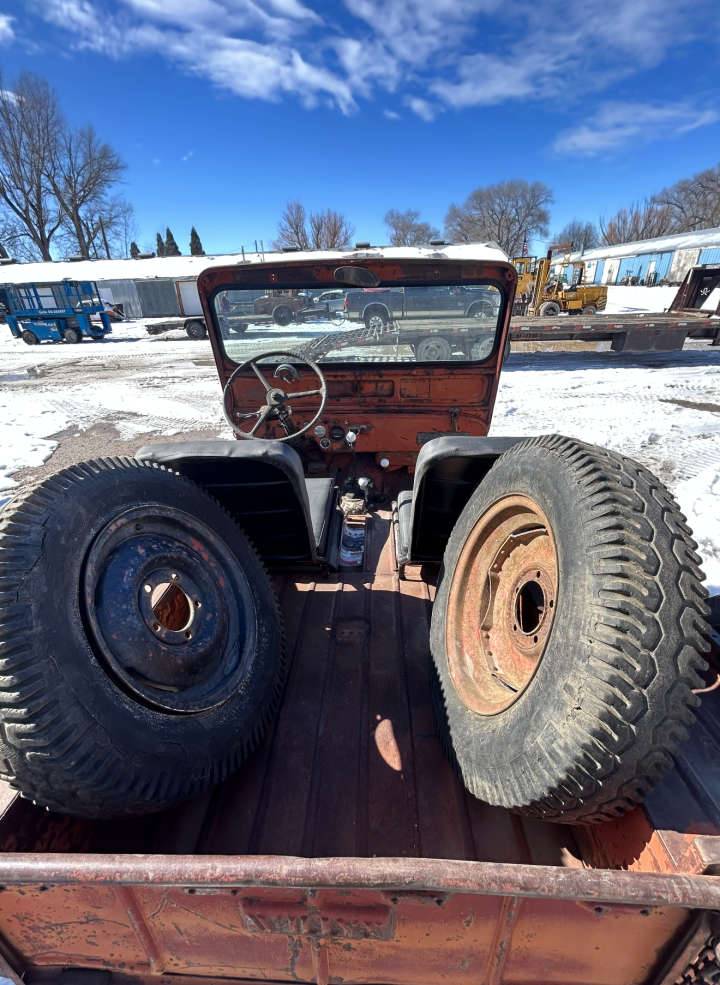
[{"x": 525, "y": 248}]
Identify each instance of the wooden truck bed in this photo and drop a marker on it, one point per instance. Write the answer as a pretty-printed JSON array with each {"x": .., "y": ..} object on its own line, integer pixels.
[{"x": 318, "y": 860}]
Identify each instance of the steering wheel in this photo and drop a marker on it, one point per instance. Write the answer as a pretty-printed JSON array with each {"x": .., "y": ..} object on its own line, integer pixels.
[{"x": 277, "y": 406}]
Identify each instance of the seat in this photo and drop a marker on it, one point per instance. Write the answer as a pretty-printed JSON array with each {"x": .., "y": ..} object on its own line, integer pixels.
[
  {"x": 262, "y": 484},
  {"x": 448, "y": 471}
]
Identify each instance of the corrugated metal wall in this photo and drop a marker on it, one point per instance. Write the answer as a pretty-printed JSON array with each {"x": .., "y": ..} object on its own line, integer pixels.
[
  {"x": 124, "y": 293},
  {"x": 599, "y": 268},
  {"x": 710, "y": 256},
  {"x": 639, "y": 266},
  {"x": 157, "y": 298}
]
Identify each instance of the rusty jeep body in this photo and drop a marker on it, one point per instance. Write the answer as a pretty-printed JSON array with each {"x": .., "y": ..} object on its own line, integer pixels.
[{"x": 349, "y": 848}]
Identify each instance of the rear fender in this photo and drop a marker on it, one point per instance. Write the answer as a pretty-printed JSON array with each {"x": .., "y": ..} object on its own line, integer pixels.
[{"x": 449, "y": 470}]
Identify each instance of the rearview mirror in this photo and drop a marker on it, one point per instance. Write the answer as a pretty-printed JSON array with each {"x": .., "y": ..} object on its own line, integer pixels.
[{"x": 358, "y": 276}]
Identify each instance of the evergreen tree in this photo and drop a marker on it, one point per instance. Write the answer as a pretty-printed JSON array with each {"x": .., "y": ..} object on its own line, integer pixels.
[
  {"x": 134, "y": 249},
  {"x": 171, "y": 247},
  {"x": 196, "y": 249},
  {"x": 160, "y": 249}
]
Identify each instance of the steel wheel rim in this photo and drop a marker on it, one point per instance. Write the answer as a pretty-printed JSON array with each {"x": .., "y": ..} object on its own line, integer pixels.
[
  {"x": 375, "y": 322},
  {"x": 185, "y": 652},
  {"x": 502, "y": 604},
  {"x": 435, "y": 350}
]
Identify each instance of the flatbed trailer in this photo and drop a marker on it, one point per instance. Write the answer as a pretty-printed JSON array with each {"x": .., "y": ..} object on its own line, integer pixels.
[
  {"x": 193, "y": 326},
  {"x": 627, "y": 332}
]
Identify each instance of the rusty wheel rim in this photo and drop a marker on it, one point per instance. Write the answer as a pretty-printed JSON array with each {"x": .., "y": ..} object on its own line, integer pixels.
[{"x": 502, "y": 603}]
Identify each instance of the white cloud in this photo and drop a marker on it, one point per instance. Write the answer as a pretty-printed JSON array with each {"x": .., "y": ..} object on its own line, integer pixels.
[
  {"x": 425, "y": 110},
  {"x": 7, "y": 32},
  {"x": 435, "y": 54},
  {"x": 617, "y": 124},
  {"x": 188, "y": 155},
  {"x": 390, "y": 114}
]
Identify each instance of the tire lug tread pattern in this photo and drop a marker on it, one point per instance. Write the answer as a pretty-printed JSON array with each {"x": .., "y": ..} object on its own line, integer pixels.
[
  {"x": 44, "y": 753},
  {"x": 634, "y": 698}
]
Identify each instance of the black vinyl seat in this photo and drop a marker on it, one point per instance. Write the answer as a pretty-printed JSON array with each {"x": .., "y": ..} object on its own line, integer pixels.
[{"x": 262, "y": 484}]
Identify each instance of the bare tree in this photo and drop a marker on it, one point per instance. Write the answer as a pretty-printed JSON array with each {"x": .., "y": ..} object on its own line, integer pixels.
[
  {"x": 405, "y": 230},
  {"x": 505, "y": 213},
  {"x": 582, "y": 235},
  {"x": 292, "y": 228},
  {"x": 324, "y": 230},
  {"x": 30, "y": 127},
  {"x": 641, "y": 220},
  {"x": 330, "y": 230},
  {"x": 80, "y": 171},
  {"x": 694, "y": 202}
]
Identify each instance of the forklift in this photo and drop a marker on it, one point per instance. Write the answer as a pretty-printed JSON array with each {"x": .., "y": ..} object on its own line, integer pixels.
[
  {"x": 550, "y": 297},
  {"x": 59, "y": 312}
]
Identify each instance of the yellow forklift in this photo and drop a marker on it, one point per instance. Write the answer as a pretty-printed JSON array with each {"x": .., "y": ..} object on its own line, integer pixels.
[
  {"x": 552, "y": 294},
  {"x": 526, "y": 269}
]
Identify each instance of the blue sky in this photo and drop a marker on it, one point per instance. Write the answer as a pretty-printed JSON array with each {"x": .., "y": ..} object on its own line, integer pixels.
[{"x": 225, "y": 109}]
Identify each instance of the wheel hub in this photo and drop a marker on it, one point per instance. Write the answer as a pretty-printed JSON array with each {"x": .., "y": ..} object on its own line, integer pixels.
[
  {"x": 502, "y": 604},
  {"x": 169, "y": 609}
]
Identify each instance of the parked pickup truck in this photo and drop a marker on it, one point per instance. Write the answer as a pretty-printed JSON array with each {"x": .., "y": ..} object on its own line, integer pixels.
[{"x": 379, "y": 306}]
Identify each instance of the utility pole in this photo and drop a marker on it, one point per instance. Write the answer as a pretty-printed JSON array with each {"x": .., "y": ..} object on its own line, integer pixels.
[{"x": 102, "y": 230}]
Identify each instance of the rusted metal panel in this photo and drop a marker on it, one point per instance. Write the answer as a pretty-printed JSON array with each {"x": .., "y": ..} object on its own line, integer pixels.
[
  {"x": 462, "y": 395},
  {"x": 362, "y": 936}
]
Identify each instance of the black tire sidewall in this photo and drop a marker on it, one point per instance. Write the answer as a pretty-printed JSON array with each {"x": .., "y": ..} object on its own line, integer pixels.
[
  {"x": 145, "y": 736},
  {"x": 282, "y": 315}
]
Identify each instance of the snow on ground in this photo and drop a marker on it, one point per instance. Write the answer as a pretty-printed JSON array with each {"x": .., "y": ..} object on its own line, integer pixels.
[{"x": 662, "y": 408}]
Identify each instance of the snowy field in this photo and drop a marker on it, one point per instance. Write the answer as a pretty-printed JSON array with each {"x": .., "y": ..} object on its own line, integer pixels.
[{"x": 662, "y": 409}]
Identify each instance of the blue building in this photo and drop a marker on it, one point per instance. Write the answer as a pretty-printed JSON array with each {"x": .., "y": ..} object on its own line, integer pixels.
[{"x": 651, "y": 262}]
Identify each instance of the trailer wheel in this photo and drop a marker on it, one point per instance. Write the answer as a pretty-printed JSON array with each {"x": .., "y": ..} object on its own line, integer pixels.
[
  {"x": 282, "y": 314},
  {"x": 433, "y": 349},
  {"x": 566, "y": 633},
  {"x": 196, "y": 330},
  {"x": 375, "y": 318},
  {"x": 141, "y": 636},
  {"x": 589, "y": 309},
  {"x": 550, "y": 309},
  {"x": 30, "y": 337},
  {"x": 72, "y": 335}
]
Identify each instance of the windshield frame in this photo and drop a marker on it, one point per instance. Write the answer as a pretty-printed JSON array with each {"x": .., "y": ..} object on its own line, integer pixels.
[{"x": 318, "y": 277}]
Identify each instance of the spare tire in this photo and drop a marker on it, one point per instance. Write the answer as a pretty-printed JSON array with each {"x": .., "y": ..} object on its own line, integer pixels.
[
  {"x": 141, "y": 638},
  {"x": 566, "y": 633}
]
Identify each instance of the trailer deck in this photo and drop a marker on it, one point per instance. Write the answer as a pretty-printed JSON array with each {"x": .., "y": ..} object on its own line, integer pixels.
[{"x": 627, "y": 332}]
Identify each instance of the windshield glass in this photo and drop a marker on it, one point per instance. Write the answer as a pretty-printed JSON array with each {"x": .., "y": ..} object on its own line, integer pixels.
[{"x": 349, "y": 324}]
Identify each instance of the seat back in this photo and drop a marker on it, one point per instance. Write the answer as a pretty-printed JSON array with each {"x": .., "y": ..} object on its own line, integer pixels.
[
  {"x": 260, "y": 483},
  {"x": 448, "y": 471}
]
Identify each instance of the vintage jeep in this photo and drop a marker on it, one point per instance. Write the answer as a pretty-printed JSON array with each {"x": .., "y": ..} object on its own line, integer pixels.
[{"x": 264, "y": 758}]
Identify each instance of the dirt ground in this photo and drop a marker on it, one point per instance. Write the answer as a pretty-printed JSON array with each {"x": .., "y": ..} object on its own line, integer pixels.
[{"x": 100, "y": 441}]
